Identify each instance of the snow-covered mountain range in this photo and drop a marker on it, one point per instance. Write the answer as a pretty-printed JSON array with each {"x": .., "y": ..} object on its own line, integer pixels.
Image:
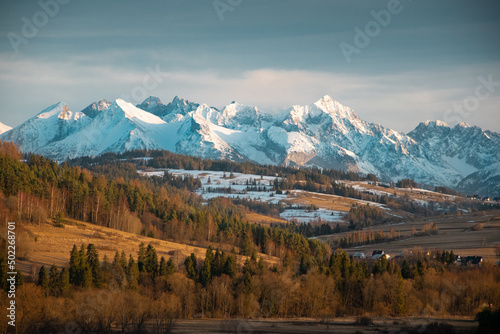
[{"x": 324, "y": 134}]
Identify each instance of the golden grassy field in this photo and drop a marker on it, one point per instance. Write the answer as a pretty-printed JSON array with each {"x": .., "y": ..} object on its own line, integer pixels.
[
  {"x": 46, "y": 244},
  {"x": 417, "y": 194},
  {"x": 332, "y": 202}
]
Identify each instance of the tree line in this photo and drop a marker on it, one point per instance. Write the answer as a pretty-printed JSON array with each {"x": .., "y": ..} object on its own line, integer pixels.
[{"x": 143, "y": 292}]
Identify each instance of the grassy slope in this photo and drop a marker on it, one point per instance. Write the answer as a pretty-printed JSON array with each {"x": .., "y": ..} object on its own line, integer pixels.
[{"x": 53, "y": 245}]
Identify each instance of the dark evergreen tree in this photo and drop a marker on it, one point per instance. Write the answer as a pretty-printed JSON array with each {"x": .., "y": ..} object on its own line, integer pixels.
[
  {"x": 191, "y": 264},
  {"x": 94, "y": 265},
  {"x": 83, "y": 260},
  {"x": 151, "y": 261},
  {"x": 418, "y": 269},
  {"x": 118, "y": 273},
  {"x": 405, "y": 270},
  {"x": 205, "y": 274},
  {"x": 451, "y": 258},
  {"x": 116, "y": 261},
  {"x": 248, "y": 283},
  {"x": 261, "y": 266},
  {"x": 87, "y": 279},
  {"x": 132, "y": 273},
  {"x": 142, "y": 257},
  {"x": 230, "y": 267},
  {"x": 303, "y": 266},
  {"x": 75, "y": 267},
  {"x": 43, "y": 279},
  {"x": 54, "y": 280},
  {"x": 19, "y": 278},
  {"x": 218, "y": 263},
  {"x": 246, "y": 244},
  {"x": 64, "y": 281},
  {"x": 123, "y": 260},
  {"x": 105, "y": 269},
  {"x": 162, "y": 271},
  {"x": 170, "y": 269}
]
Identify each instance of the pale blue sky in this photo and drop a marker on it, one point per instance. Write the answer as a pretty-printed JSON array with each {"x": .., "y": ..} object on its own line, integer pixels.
[{"x": 273, "y": 54}]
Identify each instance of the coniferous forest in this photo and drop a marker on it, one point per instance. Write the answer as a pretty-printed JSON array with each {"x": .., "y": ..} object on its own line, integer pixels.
[{"x": 142, "y": 292}]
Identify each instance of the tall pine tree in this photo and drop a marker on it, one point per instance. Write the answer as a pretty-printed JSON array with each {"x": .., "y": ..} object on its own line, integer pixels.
[
  {"x": 75, "y": 266},
  {"x": 43, "y": 279},
  {"x": 94, "y": 265}
]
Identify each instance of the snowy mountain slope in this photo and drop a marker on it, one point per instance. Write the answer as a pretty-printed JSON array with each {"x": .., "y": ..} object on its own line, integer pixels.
[
  {"x": 324, "y": 134},
  {"x": 4, "y": 128},
  {"x": 469, "y": 155},
  {"x": 464, "y": 148},
  {"x": 53, "y": 124},
  {"x": 485, "y": 182},
  {"x": 119, "y": 128},
  {"x": 237, "y": 116}
]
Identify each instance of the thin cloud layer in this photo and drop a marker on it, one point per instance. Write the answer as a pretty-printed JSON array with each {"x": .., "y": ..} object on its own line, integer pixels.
[{"x": 418, "y": 66}]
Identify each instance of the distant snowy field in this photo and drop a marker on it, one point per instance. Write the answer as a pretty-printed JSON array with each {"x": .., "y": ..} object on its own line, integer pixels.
[
  {"x": 239, "y": 184},
  {"x": 308, "y": 216}
]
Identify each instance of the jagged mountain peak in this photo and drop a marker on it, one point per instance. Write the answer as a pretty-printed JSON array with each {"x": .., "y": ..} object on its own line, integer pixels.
[
  {"x": 236, "y": 115},
  {"x": 429, "y": 129},
  {"x": 151, "y": 102},
  {"x": 178, "y": 106},
  {"x": 326, "y": 102},
  {"x": 435, "y": 123},
  {"x": 179, "y": 100},
  {"x": 51, "y": 111},
  {"x": 96, "y": 108},
  {"x": 463, "y": 125},
  {"x": 333, "y": 107},
  {"x": 184, "y": 104},
  {"x": 60, "y": 111},
  {"x": 325, "y": 113},
  {"x": 65, "y": 113}
]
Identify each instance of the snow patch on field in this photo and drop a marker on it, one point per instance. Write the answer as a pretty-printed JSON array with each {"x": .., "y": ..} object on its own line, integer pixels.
[
  {"x": 307, "y": 216},
  {"x": 239, "y": 183}
]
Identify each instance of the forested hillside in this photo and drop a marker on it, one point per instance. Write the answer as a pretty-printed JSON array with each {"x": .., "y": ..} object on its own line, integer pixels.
[
  {"x": 160, "y": 207},
  {"x": 310, "y": 280}
]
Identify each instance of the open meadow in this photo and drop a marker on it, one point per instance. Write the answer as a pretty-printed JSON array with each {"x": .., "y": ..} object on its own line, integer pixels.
[{"x": 467, "y": 234}]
